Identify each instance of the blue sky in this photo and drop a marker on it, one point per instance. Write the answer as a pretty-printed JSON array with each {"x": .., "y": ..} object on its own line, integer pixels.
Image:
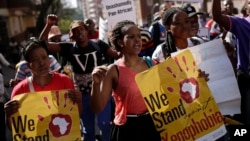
[{"x": 72, "y": 2}]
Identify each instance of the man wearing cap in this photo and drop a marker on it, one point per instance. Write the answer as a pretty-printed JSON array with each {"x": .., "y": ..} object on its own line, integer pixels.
[
  {"x": 84, "y": 55},
  {"x": 193, "y": 19}
]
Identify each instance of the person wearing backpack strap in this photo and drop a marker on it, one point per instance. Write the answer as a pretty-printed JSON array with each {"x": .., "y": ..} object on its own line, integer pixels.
[
  {"x": 177, "y": 24},
  {"x": 132, "y": 120},
  {"x": 176, "y": 21},
  {"x": 118, "y": 79}
]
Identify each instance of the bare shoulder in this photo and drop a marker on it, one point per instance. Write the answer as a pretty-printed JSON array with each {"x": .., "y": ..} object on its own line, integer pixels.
[
  {"x": 113, "y": 74},
  {"x": 112, "y": 69}
]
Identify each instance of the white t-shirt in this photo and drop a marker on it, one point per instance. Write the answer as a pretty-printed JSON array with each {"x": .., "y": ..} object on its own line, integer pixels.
[
  {"x": 198, "y": 41},
  {"x": 158, "y": 54}
]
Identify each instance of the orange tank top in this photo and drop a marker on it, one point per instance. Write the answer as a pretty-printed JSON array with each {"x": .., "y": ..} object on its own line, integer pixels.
[{"x": 127, "y": 96}]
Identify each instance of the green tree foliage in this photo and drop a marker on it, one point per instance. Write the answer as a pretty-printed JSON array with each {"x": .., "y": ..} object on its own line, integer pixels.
[
  {"x": 58, "y": 7},
  {"x": 64, "y": 25},
  {"x": 67, "y": 16},
  {"x": 46, "y": 7}
]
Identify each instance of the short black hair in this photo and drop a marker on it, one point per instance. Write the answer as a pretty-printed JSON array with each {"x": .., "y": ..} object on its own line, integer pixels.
[{"x": 32, "y": 44}]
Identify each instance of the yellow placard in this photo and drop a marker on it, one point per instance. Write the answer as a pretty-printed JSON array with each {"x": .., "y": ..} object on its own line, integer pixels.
[
  {"x": 180, "y": 103},
  {"x": 46, "y": 116}
]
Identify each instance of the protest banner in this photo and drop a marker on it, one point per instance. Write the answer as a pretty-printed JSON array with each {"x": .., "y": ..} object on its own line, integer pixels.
[
  {"x": 180, "y": 103},
  {"x": 203, "y": 32},
  {"x": 46, "y": 116},
  {"x": 103, "y": 30},
  {"x": 212, "y": 58},
  {"x": 118, "y": 10}
]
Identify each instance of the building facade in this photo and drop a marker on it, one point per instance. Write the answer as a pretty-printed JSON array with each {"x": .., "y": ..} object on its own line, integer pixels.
[{"x": 17, "y": 20}]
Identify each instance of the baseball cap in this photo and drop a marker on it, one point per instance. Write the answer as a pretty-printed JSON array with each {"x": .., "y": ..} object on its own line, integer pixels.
[
  {"x": 54, "y": 31},
  {"x": 75, "y": 24},
  {"x": 190, "y": 10}
]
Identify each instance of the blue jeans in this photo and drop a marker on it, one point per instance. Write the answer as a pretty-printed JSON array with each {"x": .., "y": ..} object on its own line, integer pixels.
[{"x": 88, "y": 119}]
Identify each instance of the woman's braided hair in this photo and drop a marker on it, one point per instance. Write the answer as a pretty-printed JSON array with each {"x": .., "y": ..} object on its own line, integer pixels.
[{"x": 117, "y": 33}]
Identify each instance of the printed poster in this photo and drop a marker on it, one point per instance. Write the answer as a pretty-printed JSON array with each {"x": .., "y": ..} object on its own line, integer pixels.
[
  {"x": 180, "y": 103},
  {"x": 103, "y": 30},
  {"x": 204, "y": 32},
  {"x": 118, "y": 10},
  {"x": 47, "y": 116}
]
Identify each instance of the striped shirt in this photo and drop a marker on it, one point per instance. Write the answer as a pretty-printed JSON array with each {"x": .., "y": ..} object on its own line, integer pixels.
[{"x": 24, "y": 71}]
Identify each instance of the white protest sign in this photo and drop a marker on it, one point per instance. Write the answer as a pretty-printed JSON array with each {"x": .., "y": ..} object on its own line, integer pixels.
[
  {"x": 118, "y": 10},
  {"x": 212, "y": 58},
  {"x": 103, "y": 30},
  {"x": 203, "y": 32}
]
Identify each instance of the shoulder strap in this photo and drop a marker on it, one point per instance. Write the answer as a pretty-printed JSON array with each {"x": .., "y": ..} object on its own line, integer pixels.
[
  {"x": 164, "y": 50},
  {"x": 168, "y": 46},
  {"x": 30, "y": 84},
  {"x": 117, "y": 71},
  {"x": 148, "y": 61}
]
